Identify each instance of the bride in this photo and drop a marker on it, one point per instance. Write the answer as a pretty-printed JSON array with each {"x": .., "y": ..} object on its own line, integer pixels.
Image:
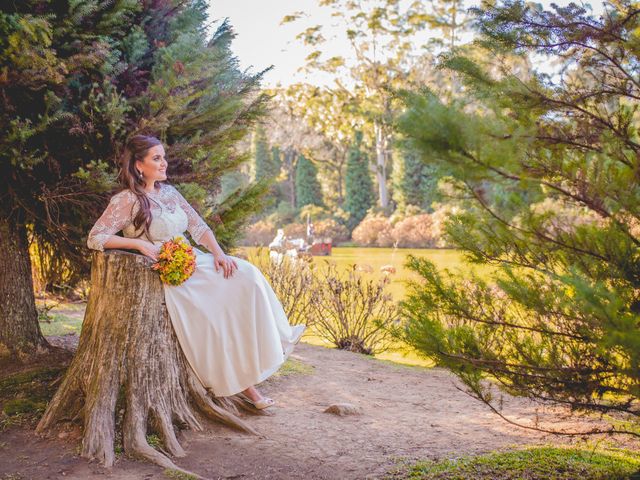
[{"x": 230, "y": 324}]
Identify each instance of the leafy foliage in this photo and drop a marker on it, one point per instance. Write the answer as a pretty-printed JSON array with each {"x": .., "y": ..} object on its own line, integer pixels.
[
  {"x": 358, "y": 186},
  {"x": 308, "y": 190},
  {"x": 559, "y": 321},
  {"x": 80, "y": 77}
]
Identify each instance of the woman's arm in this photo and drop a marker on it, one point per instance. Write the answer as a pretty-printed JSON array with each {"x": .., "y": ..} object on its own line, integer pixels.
[
  {"x": 143, "y": 246},
  {"x": 203, "y": 235},
  {"x": 220, "y": 259},
  {"x": 208, "y": 240},
  {"x": 117, "y": 216}
]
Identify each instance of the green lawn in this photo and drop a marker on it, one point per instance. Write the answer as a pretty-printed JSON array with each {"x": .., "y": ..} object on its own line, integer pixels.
[
  {"x": 539, "y": 463},
  {"x": 344, "y": 257},
  {"x": 64, "y": 318},
  {"x": 67, "y": 318},
  {"x": 377, "y": 257}
]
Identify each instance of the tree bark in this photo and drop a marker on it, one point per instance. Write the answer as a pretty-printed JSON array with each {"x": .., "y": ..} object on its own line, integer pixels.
[
  {"x": 129, "y": 359},
  {"x": 381, "y": 163},
  {"x": 20, "y": 336}
]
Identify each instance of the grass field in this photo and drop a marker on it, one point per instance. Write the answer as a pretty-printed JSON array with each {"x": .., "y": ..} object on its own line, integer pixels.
[
  {"x": 345, "y": 257},
  {"x": 538, "y": 463},
  {"x": 67, "y": 318},
  {"x": 377, "y": 257}
]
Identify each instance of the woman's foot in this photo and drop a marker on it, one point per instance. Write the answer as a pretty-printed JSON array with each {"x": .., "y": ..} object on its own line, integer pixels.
[{"x": 255, "y": 398}]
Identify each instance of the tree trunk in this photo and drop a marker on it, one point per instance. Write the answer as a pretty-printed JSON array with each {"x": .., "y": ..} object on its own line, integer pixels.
[
  {"x": 20, "y": 336},
  {"x": 381, "y": 163},
  {"x": 290, "y": 161},
  {"x": 129, "y": 359}
]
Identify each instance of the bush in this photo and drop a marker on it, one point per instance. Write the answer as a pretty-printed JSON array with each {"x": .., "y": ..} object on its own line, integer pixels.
[
  {"x": 374, "y": 230},
  {"x": 283, "y": 214},
  {"x": 292, "y": 281},
  {"x": 259, "y": 234},
  {"x": 557, "y": 217},
  {"x": 331, "y": 228},
  {"x": 416, "y": 232},
  {"x": 295, "y": 230},
  {"x": 405, "y": 228},
  {"x": 439, "y": 219},
  {"x": 353, "y": 313}
]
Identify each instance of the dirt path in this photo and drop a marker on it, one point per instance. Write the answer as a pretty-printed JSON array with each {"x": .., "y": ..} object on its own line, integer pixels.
[{"x": 407, "y": 413}]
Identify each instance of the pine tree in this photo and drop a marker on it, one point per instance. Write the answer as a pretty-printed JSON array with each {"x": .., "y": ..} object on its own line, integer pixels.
[
  {"x": 265, "y": 166},
  {"x": 559, "y": 319},
  {"x": 83, "y": 77},
  {"x": 359, "y": 195},
  {"x": 276, "y": 160},
  {"x": 415, "y": 180},
  {"x": 308, "y": 191}
]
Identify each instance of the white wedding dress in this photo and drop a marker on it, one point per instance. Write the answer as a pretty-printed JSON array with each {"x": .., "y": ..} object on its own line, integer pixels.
[{"x": 233, "y": 331}]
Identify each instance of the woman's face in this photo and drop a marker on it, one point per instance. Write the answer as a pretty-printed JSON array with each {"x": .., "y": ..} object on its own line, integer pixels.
[{"x": 153, "y": 166}]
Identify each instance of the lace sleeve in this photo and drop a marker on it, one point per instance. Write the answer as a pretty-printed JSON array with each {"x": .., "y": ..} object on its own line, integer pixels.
[
  {"x": 197, "y": 226},
  {"x": 116, "y": 216}
]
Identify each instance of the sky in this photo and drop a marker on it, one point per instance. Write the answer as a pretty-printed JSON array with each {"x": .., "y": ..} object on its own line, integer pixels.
[{"x": 261, "y": 41}]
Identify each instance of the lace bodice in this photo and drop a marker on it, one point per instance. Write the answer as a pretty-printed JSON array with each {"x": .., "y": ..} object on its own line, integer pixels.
[{"x": 172, "y": 216}]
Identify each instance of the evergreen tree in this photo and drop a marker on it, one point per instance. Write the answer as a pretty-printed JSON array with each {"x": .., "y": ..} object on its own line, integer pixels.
[
  {"x": 82, "y": 77},
  {"x": 308, "y": 191},
  {"x": 359, "y": 195},
  {"x": 559, "y": 319},
  {"x": 276, "y": 160},
  {"x": 415, "y": 180},
  {"x": 265, "y": 166}
]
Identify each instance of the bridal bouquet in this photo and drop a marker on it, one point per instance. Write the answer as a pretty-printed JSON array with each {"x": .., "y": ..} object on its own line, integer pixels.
[{"x": 176, "y": 261}]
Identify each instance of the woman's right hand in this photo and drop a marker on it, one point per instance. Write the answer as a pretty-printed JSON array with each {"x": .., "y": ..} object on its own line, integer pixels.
[{"x": 149, "y": 249}]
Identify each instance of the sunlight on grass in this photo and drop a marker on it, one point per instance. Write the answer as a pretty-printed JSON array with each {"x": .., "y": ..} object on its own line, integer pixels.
[
  {"x": 377, "y": 257},
  {"x": 66, "y": 318},
  {"x": 60, "y": 325},
  {"x": 540, "y": 463},
  {"x": 402, "y": 354},
  {"x": 293, "y": 366},
  {"x": 344, "y": 257}
]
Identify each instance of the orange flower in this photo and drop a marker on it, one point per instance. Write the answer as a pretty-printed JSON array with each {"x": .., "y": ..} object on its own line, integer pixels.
[{"x": 176, "y": 261}]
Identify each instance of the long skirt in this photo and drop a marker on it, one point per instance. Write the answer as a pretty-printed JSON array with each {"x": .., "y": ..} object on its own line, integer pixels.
[{"x": 233, "y": 331}]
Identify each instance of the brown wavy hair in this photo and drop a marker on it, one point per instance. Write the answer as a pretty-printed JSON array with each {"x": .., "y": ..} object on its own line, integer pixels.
[{"x": 136, "y": 149}]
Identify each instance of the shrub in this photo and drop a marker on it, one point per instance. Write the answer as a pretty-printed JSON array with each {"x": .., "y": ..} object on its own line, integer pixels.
[
  {"x": 292, "y": 281},
  {"x": 353, "y": 313},
  {"x": 374, "y": 230},
  {"x": 415, "y": 231},
  {"x": 295, "y": 230},
  {"x": 283, "y": 214},
  {"x": 259, "y": 234},
  {"x": 331, "y": 228},
  {"x": 439, "y": 219}
]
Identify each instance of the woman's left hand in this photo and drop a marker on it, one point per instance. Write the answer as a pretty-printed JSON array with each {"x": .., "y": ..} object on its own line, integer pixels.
[{"x": 225, "y": 262}]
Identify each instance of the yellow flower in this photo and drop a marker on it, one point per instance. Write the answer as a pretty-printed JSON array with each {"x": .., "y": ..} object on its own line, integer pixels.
[{"x": 176, "y": 261}]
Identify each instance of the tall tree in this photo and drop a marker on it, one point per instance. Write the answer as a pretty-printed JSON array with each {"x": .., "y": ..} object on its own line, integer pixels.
[
  {"x": 264, "y": 165},
  {"x": 308, "y": 190},
  {"x": 384, "y": 44},
  {"x": 415, "y": 182},
  {"x": 559, "y": 320},
  {"x": 333, "y": 115},
  {"x": 289, "y": 131},
  {"x": 358, "y": 185},
  {"x": 79, "y": 79},
  {"x": 452, "y": 19}
]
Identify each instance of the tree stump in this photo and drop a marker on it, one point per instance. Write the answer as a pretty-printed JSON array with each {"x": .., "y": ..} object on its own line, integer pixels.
[{"x": 129, "y": 358}]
